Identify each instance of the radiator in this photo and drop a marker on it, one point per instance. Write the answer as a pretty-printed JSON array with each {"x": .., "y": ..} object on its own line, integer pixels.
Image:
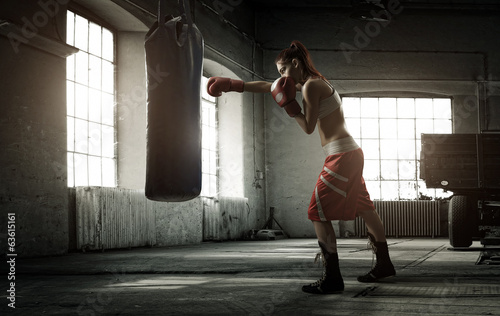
[
  {"x": 109, "y": 218},
  {"x": 406, "y": 219},
  {"x": 225, "y": 218}
]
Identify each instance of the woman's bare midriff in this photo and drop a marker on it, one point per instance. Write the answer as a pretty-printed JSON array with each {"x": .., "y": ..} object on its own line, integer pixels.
[{"x": 332, "y": 127}]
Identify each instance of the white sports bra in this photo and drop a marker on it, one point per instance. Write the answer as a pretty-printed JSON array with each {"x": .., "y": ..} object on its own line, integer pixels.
[{"x": 330, "y": 104}]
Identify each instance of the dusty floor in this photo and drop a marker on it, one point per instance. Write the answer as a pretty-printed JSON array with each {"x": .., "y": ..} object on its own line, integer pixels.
[{"x": 255, "y": 278}]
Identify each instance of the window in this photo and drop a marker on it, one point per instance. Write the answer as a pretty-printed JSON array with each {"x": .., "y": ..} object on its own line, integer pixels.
[
  {"x": 209, "y": 142},
  {"x": 389, "y": 131},
  {"x": 90, "y": 104}
]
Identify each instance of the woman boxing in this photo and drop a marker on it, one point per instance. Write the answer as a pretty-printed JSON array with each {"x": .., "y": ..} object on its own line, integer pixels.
[{"x": 340, "y": 192}]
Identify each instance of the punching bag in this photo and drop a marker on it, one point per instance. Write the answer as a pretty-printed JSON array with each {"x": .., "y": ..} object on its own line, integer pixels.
[{"x": 174, "y": 64}]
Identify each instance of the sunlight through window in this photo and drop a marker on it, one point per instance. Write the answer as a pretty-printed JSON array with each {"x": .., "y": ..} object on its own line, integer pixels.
[
  {"x": 90, "y": 104},
  {"x": 389, "y": 131},
  {"x": 209, "y": 143}
]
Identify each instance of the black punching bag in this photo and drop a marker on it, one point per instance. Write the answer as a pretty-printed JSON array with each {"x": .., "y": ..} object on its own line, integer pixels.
[{"x": 174, "y": 61}]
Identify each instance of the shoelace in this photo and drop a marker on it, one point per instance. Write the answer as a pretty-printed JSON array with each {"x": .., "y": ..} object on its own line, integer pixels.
[
  {"x": 371, "y": 245},
  {"x": 318, "y": 257}
]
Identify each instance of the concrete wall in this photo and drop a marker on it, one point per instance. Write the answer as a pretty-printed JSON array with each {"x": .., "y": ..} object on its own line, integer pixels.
[
  {"x": 418, "y": 53},
  {"x": 33, "y": 128}
]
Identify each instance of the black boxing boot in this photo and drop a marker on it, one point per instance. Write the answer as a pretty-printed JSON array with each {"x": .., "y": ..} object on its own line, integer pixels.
[
  {"x": 383, "y": 267},
  {"x": 331, "y": 282}
]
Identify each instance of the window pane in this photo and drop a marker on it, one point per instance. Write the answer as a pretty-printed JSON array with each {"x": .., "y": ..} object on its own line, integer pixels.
[
  {"x": 369, "y": 107},
  {"x": 424, "y": 127},
  {"x": 95, "y": 171},
  {"x": 406, "y": 108},
  {"x": 388, "y": 128},
  {"x": 95, "y": 105},
  {"x": 70, "y": 28},
  {"x": 369, "y": 128},
  {"x": 205, "y": 161},
  {"x": 389, "y": 169},
  {"x": 81, "y": 136},
  {"x": 71, "y": 170},
  {"x": 95, "y": 139},
  {"x": 70, "y": 98},
  {"x": 389, "y": 190},
  {"x": 213, "y": 163},
  {"x": 71, "y": 133},
  {"x": 81, "y": 33},
  {"x": 95, "y": 72},
  {"x": 95, "y": 39},
  {"x": 351, "y": 107},
  {"x": 407, "y": 170},
  {"x": 406, "y": 149},
  {"x": 373, "y": 188},
  {"x": 108, "y": 109},
  {"x": 108, "y": 84},
  {"x": 388, "y": 149},
  {"x": 82, "y": 68},
  {"x": 81, "y": 105},
  {"x": 354, "y": 127},
  {"x": 370, "y": 149},
  {"x": 108, "y": 172},
  {"x": 107, "y": 45},
  {"x": 371, "y": 170},
  {"x": 407, "y": 190},
  {"x": 70, "y": 67},
  {"x": 423, "y": 108},
  {"x": 442, "y": 108},
  {"x": 81, "y": 170},
  {"x": 387, "y": 108},
  {"x": 213, "y": 185},
  {"x": 442, "y": 126},
  {"x": 205, "y": 185},
  {"x": 406, "y": 129},
  {"x": 108, "y": 141}
]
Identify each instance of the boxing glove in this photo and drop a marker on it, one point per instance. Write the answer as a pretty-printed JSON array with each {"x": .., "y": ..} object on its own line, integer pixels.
[
  {"x": 217, "y": 85},
  {"x": 283, "y": 91}
]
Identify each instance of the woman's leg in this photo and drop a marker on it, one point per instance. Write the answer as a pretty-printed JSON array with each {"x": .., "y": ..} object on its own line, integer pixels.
[
  {"x": 374, "y": 224},
  {"x": 332, "y": 281},
  {"x": 326, "y": 235},
  {"x": 384, "y": 267}
]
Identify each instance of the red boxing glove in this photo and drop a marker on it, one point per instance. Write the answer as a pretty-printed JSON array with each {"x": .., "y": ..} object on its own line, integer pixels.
[
  {"x": 284, "y": 91},
  {"x": 217, "y": 85}
]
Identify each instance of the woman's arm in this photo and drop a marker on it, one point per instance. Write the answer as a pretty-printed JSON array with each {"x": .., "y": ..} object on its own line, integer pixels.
[
  {"x": 257, "y": 86},
  {"x": 311, "y": 96}
]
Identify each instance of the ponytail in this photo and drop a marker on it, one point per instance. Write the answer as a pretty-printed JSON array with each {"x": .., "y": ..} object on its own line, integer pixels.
[{"x": 299, "y": 51}]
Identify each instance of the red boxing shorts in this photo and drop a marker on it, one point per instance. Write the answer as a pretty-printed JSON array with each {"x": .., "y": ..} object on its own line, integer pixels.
[{"x": 340, "y": 191}]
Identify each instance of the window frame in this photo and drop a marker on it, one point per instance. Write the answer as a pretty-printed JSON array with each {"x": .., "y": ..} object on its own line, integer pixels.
[
  {"x": 213, "y": 192},
  {"x": 393, "y": 165},
  {"x": 112, "y": 124}
]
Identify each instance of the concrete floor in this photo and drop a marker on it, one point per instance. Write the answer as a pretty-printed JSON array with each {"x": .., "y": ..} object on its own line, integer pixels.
[{"x": 255, "y": 278}]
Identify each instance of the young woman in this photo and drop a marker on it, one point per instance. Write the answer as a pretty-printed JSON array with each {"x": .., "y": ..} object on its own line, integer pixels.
[{"x": 340, "y": 192}]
